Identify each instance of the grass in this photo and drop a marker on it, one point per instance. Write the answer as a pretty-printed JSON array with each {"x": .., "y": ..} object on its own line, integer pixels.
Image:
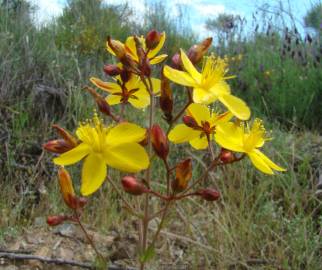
[{"x": 260, "y": 223}]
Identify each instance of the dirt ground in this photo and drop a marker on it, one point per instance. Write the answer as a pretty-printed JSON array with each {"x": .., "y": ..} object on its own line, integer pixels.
[{"x": 66, "y": 242}]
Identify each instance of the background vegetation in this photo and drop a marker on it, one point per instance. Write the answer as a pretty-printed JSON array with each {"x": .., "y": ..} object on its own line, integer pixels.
[{"x": 273, "y": 219}]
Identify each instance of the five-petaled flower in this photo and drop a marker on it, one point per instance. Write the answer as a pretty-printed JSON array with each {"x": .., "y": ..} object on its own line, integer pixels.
[
  {"x": 199, "y": 126},
  {"x": 209, "y": 85},
  {"x": 243, "y": 139},
  {"x": 133, "y": 91},
  {"x": 130, "y": 48},
  {"x": 117, "y": 147}
]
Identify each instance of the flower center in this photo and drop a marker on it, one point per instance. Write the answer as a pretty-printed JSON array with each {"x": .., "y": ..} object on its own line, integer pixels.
[
  {"x": 93, "y": 133},
  {"x": 213, "y": 71}
]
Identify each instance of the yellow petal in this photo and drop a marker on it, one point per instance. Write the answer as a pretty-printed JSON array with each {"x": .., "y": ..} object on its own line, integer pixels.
[
  {"x": 220, "y": 88},
  {"x": 113, "y": 100},
  {"x": 259, "y": 163},
  {"x": 131, "y": 47},
  {"x": 158, "y": 59},
  {"x": 93, "y": 173},
  {"x": 237, "y": 106},
  {"x": 229, "y": 136},
  {"x": 106, "y": 86},
  {"x": 155, "y": 51},
  {"x": 269, "y": 162},
  {"x": 189, "y": 67},
  {"x": 133, "y": 83},
  {"x": 125, "y": 133},
  {"x": 179, "y": 77},
  {"x": 73, "y": 156},
  {"x": 128, "y": 157},
  {"x": 181, "y": 133},
  {"x": 199, "y": 143},
  {"x": 142, "y": 99},
  {"x": 199, "y": 112},
  {"x": 220, "y": 118},
  {"x": 156, "y": 84},
  {"x": 201, "y": 96}
]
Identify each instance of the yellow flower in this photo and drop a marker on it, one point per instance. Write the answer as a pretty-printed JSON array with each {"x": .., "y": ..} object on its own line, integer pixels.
[
  {"x": 130, "y": 48},
  {"x": 199, "y": 123},
  {"x": 133, "y": 91},
  {"x": 209, "y": 85},
  {"x": 116, "y": 147},
  {"x": 247, "y": 140}
]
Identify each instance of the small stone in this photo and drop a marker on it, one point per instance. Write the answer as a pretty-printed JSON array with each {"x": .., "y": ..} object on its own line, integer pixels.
[
  {"x": 64, "y": 253},
  {"x": 318, "y": 194}
]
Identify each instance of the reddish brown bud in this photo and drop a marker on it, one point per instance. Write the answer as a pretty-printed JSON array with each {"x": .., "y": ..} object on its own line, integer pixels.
[
  {"x": 55, "y": 220},
  {"x": 100, "y": 101},
  {"x": 196, "y": 52},
  {"x": 125, "y": 75},
  {"x": 176, "y": 61},
  {"x": 144, "y": 64},
  {"x": 166, "y": 98},
  {"x": 57, "y": 146},
  {"x": 183, "y": 175},
  {"x": 112, "y": 70},
  {"x": 159, "y": 141},
  {"x": 152, "y": 39},
  {"x": 226, "y": 156},
  {"x": 70, "y": 139},
  {"x": 66, "y": 188},
  {"x": 117, "y": 47},
  {"x": 189, "y": 121},
  {"x": 132, "y": 186},
  {"x": 208, "y": 194},
  {"x": 103, "y": 106}
]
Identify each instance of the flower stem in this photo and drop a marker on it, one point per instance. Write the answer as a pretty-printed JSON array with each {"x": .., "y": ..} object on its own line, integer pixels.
[
  {"x": 181, "y": 112},
  {"x": 90, "y": 240},
  {"x": 146, "y": 220},
  {"x": 211, "y": 148}
]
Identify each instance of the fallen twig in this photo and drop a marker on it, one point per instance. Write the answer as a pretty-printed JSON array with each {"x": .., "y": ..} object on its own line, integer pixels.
[{"x": 20, "y": 256}]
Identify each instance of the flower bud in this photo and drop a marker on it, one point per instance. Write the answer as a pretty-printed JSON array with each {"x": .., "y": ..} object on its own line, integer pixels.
[
  {"x": 166, "y": 98},
  {"x": 183, "y": 175},
  {"x": 152, "y": 39},
  {"x": 208, "y": 194},
  {"x": 132, "y": 186},
  {"x": 100, "y": 101},
  {"x": 117, "y": 47},
  {"x": 189, "y": 121},
  {"x": 159, "y": 141},
  {"x": 66, "y": 188},
  {"x": 70, "y": 139},
  {"x": 59, "y": 146},
  {"x": 226, "y": 156},
  {"x": 55, "y": 220},
  {"x": 112, "y": 70},
  {"x": 144, "y": 64},
  {"x": 176, "y": 61},
  {"x": 125, "y": 75},
  {"x": 196, "y": 52}
]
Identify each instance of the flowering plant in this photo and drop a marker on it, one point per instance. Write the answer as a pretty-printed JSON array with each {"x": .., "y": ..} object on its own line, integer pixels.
[{"x": 213, "y": 120}]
